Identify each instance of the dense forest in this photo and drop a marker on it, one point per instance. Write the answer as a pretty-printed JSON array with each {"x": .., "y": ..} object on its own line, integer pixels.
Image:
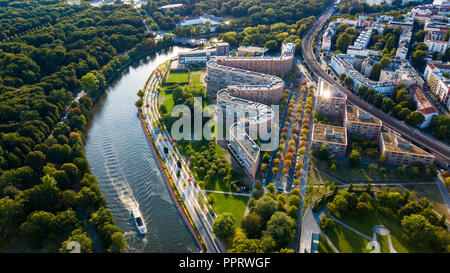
[
  {"x": 48, "y": 197},
  {"x": 270, "y": 36},
  {"x": 243, "y": 12}
]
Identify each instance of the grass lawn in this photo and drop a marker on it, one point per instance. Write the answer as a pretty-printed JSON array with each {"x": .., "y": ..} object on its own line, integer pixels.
[
  {"x": 346, "y": 174},
  {"x": 195, "y": 77},
  {"x": 220, "y": 151},
  {"x": 316, "y": 177},
  {"x": 230, "y": 203},
  {"x": 346, "y": 241},
  {"x": 177, "y": 76},
  {"x": 324, "y": 247},
  {"x": 166, "y": 99},
  {"x": 382, "y": 239},
  {"x": 388, "y": 219},
  {"x": 432, "y": 193}
]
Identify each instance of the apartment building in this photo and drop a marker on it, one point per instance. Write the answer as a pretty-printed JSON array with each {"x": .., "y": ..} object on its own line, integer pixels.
[
  {"x": 280, "y": 65},
  {"x": 248, "y": 117},
  {"x": 403, "y": 44},
  {"x": 362, "y": 124},
  {"x": 435, "y": 41},
  {"x": 437, "y": 75},
  {"x": 223, "y": 48},
  {"x": 359, "y": 51},
  {"x": 244, "y": 50},
  {"x": 199, "y": 57},
  {"x": 334, "y": 137},
  {"x": 399, "y": 151},
  {"x": 330, "y": 101},
  {"x": 326, "y": 39},
  {"x": 246, "y": 84},
  {"x": 244, "y": 90},
  {"x": 423, "y": 105},
  {"x": 343, "y": 63},
  {"x": 363, "y": 39}
]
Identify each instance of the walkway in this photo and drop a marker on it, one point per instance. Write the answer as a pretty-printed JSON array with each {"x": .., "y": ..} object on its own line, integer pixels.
[
  {"x": 309, "y": 226},
  {"x": 444, "y": 192},
  {"x": 299, "y": 246},
  {"x": 231, "y": 193},
  {"x": 383, "y": 232},
  {"x": 169, "y": 187},
  {"x": 183, "y": 180}
]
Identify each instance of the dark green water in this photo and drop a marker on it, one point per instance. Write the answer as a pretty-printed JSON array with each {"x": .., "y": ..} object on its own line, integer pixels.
[{"x": 123, "y": 162}]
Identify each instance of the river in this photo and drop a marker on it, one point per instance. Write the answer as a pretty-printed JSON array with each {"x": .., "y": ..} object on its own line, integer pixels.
[{"x": 123, "y": 162}]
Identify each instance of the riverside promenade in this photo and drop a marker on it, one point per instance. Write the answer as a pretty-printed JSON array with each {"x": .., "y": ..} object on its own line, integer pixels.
[
  {"x": 169, "y": 187},
  {"x": 175, "y": 171}
]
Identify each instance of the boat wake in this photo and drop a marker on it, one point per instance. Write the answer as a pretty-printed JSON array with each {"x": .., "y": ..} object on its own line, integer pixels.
[{"x": 117, "y": 178}]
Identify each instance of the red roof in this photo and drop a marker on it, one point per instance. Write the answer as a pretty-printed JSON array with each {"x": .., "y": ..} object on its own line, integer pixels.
[{"x": 427, "y": 111}]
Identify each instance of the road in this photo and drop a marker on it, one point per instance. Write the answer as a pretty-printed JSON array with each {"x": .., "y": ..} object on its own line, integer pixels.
[
  {"x": 440, "y": 150},
  {"x": 300, "y": 238},
  {"x": 190, "y": 192}
]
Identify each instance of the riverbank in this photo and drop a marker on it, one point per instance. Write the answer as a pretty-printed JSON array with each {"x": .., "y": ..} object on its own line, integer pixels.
[
  {"x": 181, "y": 177},
  {"x": 126, "y": 168}
]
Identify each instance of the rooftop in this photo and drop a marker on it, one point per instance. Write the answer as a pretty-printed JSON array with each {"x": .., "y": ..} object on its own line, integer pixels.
[
  {"x": 326, "y": 90},
  {"x": 329, "y": 133},
  {"x": 250, "y": 146},
  {"x": 256, "y": 49},
  {"x": 201, "y": 20},
  {"x": 170, "y": 6},
  {"x": 356, "y": 114},
  {"x": 423, "y": 105},
  {"x": 394, "y": 143}
]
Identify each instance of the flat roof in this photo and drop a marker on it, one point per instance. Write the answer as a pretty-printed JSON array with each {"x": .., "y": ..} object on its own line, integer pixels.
[
  {"x": 329, "y": 133},
  {"x": 170, "y": 6},
  {"x": 244, "y": 140},
  {"x": 355, "y": 114},
  {"x": 326, "y": 90},
  {"x": 394, "y": 143},
  {"x": 253, "y": 49}
]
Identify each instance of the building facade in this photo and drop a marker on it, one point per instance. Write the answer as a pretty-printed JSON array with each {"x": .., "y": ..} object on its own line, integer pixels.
[
  {"x": 343, "y": 63},
  {"x": 245, "y": 87},
  {"x": 362, "y": 124},
  {"x": 437, "y": 75},
  {"x": 399, "y": 151},
  {"x": 334, "y": 137},
  {"x": 330, "y": 101},
  {"x": 423, "y": 105}
]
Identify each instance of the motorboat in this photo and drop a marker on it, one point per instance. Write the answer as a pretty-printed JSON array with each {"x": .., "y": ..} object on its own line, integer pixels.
[{"x": 138, "y": 220}]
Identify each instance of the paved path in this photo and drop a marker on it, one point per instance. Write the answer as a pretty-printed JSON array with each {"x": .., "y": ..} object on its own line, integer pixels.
[
  {"x": 444, "y": 192},
  {"x": 350, "y": 228},
  {"x": 183, "y": 180},
  {"x": 309, "y": 226},
  {"x": 300, "y": 238},
  {"x": 330, "y": 243},
  {"x": 383, "y": 232},
  {"x": 169, "y": 187},
  {"x": 231, "y": 193}
]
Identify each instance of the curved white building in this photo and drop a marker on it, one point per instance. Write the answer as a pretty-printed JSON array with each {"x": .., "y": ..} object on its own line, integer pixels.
[
  {"x": 244, "y": 92},
  {"x": 246, "y": 84},
  {"x": 250, "y": 117}
]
